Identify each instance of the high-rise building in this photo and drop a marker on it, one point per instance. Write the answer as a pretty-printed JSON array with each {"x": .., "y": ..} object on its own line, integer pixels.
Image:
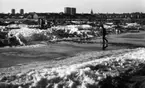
[
  {"x": 21, "y": 11},
  {"x": 13, "y": 11},
  {"x": 73, "y": 11},
  {"x": 69, "y": 10}
]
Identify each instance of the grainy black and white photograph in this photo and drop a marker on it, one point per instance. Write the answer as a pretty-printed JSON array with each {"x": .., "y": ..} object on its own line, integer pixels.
[{"x": 72, "y": 43}]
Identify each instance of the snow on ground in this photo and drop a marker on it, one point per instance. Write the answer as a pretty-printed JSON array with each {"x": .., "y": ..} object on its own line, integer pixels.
[
  {"x": 83, "y": 75},
  {"x": 26, "y": 35},
  {"x": 31, "y": 46},
  {"x": 26, "y": 32},
  {"x": 73, "y": 28}
]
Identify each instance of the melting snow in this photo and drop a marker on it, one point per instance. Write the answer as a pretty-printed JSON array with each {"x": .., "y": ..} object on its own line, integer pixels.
[{"x": 83, "y": 75}]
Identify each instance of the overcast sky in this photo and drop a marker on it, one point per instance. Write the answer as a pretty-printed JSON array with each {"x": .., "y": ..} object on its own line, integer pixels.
[{"x": 82, "y": 6}]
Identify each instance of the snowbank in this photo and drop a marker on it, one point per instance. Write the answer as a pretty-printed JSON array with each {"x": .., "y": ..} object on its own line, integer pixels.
[
  {"x": 85, "y": 75},
  {"x": 73, "y": 28},
  {"x": 27, "y": 35}
]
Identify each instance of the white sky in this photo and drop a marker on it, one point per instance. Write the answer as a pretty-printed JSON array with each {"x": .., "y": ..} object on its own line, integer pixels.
[{"x": 85, "y": 6}]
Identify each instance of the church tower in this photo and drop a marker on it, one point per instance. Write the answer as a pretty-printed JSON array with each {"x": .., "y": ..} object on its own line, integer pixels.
[{"x": 92, "y": 12}]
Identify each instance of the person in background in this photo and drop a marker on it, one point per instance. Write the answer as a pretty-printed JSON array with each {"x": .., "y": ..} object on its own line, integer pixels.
[{"x": 105, "y": 41}]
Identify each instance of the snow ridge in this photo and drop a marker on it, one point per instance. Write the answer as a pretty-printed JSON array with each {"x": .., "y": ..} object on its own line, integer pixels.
[{"x": 85, "y": 75}]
